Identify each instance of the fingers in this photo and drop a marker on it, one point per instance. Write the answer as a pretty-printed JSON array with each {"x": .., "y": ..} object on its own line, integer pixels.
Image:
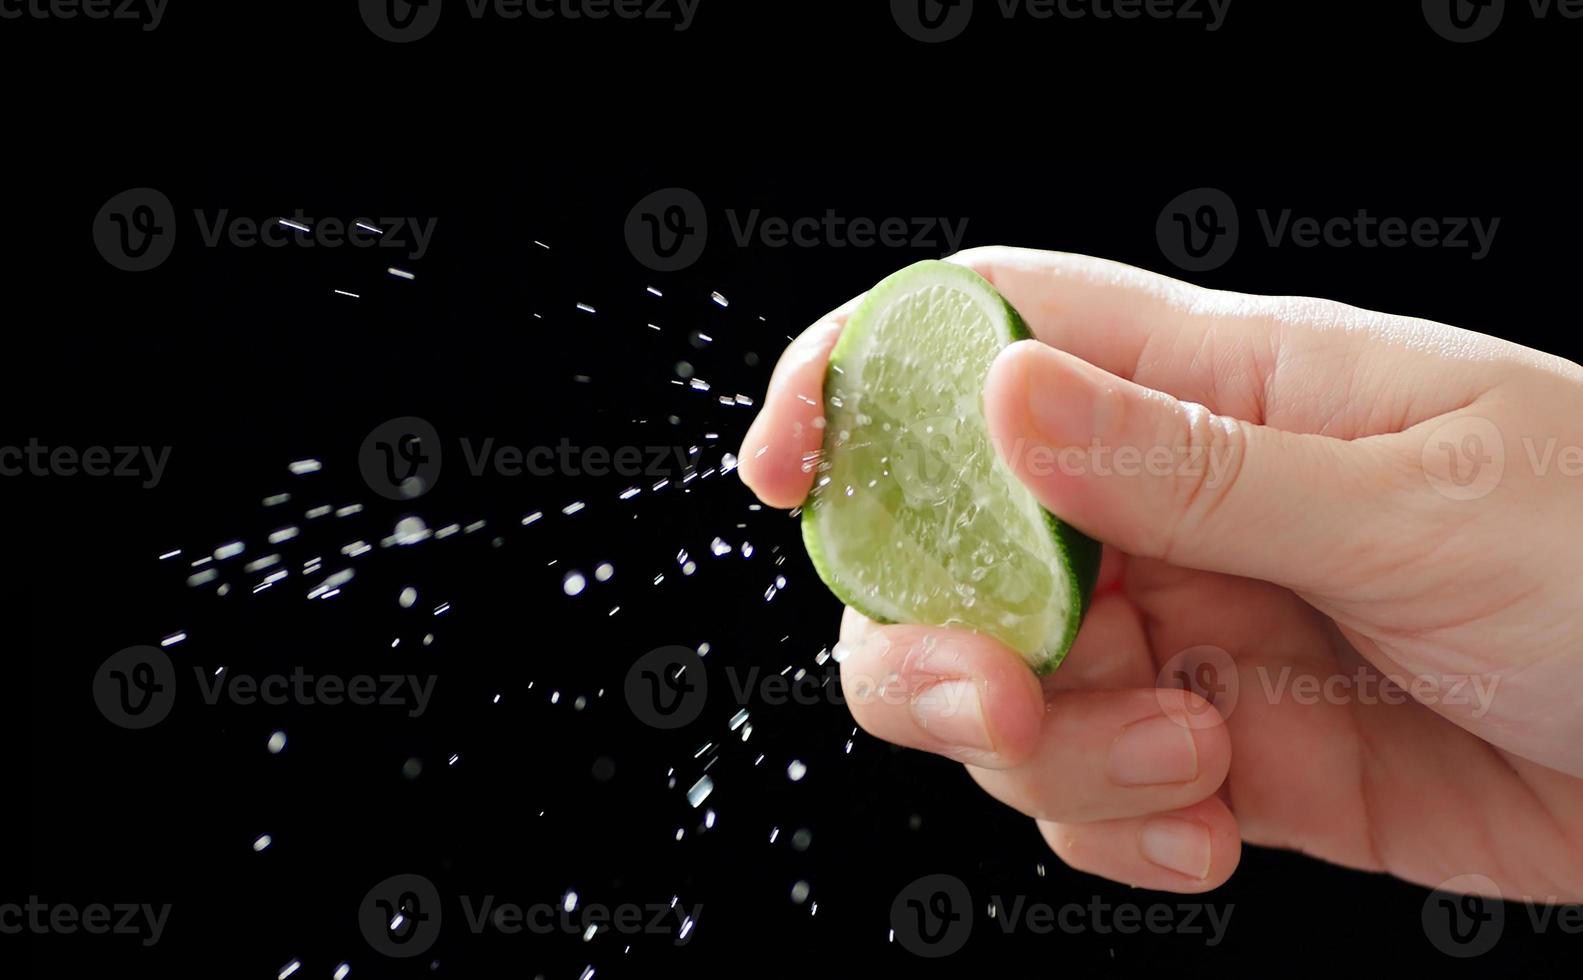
[
  {"x": 1104, "y": 312},
  {"x": 951, "y": 692},
  {"x": 1190, "y": 850},
  {"x": 855, "y": 626},
  {"x": 1161, "y": 478},
  {"x": 1122, "y": 781},
  {"x": 1295, "y": 363},
  {"x": 777, "y": 456},
  {"x": 1084, "y": 755},
  {"x": 1111, "y": 650},
  {"x": 1108, "y": 755},
  {"x": 1300, "y": 365}
]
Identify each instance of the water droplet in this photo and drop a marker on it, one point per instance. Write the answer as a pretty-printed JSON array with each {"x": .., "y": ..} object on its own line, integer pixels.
[
  {"x": 700, "y": 791},
  {"x": 411, "y": 530},
  {"x": 573, "y": 583}
]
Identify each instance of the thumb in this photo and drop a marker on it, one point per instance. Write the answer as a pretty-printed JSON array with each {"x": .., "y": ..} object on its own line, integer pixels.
[{"x": 1162, "y": 478}]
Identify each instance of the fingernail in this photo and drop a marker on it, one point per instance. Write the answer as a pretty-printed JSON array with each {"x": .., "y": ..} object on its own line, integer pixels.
[
  {"x": 1177, "y": 845},
  {"x": 1060, "y": 404},
  {"x": 1153, "y": 752},
  {"x": 952, "y": 712}
]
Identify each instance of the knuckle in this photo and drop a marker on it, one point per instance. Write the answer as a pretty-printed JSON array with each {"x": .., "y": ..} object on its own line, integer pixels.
[{"x": 1213, "y": 451}]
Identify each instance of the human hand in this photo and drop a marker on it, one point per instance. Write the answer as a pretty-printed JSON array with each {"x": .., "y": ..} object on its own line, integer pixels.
[{"x": 1373, "y": 496}]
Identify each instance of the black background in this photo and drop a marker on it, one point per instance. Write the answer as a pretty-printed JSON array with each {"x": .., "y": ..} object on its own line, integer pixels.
[{"x": 242, "y": 360}]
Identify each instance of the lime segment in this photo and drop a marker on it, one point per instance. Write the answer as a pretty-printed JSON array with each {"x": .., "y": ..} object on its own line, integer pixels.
[{"x": 914, "y": 517}]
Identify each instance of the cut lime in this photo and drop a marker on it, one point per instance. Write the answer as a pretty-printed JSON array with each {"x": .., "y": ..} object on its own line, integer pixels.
[{"x": 914, "y": 517}]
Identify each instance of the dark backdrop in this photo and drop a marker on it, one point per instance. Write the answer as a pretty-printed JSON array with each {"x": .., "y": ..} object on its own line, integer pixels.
[{"x": 242, "y": 360}]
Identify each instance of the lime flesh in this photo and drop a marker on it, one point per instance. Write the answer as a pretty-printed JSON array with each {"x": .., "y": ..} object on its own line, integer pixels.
[{"x": 914, "y": 517}]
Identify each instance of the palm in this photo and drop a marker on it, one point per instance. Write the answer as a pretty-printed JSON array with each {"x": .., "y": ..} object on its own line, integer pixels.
[{"x": 1347, "y": 773}]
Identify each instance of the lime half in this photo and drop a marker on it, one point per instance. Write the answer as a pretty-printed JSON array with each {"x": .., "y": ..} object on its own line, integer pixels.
[{"x": 914, "y": 517}]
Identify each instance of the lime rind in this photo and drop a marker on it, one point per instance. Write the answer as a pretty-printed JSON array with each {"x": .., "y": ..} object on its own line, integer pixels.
[{"x": 879, "y": 338}]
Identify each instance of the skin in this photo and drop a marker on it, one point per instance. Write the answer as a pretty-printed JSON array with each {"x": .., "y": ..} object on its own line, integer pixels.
[{"x": 1329, "y": 549}]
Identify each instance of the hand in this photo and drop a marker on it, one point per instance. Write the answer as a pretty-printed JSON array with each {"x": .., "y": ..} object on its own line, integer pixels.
[{"x": 1383, "y": 496}]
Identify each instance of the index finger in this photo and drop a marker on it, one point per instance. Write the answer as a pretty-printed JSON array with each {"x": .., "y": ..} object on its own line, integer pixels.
[{"x": 782, "y": 446}]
